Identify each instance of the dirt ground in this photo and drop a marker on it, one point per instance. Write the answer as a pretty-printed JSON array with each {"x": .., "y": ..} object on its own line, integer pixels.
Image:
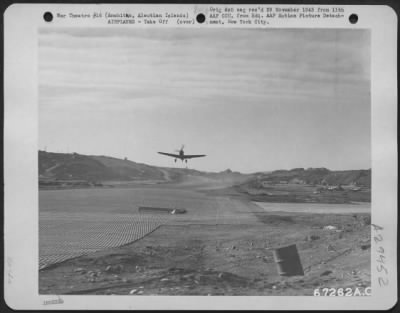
[{"x": 225, "y": 258}]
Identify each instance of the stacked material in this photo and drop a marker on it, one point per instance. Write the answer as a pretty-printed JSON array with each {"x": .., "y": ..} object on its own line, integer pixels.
[{"x": 146, "y": 209}]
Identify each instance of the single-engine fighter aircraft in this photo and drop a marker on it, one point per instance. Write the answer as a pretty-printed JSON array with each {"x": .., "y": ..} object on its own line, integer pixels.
[{"x": 182, "y": 156}]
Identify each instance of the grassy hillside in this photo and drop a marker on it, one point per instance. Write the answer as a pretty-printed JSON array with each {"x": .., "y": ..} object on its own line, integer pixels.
[
  {"x": 315, "y": 176},
  {"x": 66, "y": 169},
  {"x": 65, "y": 166},
  {"x": 128, "y": 170}
]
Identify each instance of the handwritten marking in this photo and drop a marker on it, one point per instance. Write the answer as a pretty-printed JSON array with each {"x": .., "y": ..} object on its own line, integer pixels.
[{"x": 383, "y": 279}]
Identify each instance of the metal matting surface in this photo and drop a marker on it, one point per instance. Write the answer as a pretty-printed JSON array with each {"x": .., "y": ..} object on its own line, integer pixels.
[{"x": 63, "y": 236}]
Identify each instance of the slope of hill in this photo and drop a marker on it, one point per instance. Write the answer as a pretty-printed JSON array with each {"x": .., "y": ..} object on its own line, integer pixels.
[
  {"x": 65, "y": 166},
  {"x": 66, "y": 169},
  {"x": 316, "y": 176}
]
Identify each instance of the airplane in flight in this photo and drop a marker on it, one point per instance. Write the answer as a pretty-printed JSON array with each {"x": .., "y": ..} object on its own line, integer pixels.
[{"x": 182, "y": 156}]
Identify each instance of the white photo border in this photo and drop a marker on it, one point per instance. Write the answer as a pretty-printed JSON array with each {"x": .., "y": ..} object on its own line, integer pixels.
[{"x": 21, "y": 23}]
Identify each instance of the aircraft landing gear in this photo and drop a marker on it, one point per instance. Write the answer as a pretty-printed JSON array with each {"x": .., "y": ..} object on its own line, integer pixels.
[
  {"x": 186, "y": 161},
  {"x": 175, "y": 160}
]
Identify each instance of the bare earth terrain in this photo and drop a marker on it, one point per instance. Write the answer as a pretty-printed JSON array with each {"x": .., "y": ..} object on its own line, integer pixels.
[{"x": 94, "y": 241}]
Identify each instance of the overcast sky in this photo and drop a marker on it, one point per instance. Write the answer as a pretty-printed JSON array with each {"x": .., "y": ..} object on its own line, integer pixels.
[{"x": 252, "y": 100}]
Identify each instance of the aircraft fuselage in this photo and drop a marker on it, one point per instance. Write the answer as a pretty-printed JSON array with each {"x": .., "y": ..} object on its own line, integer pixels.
[{"x": 182, "y": 156}]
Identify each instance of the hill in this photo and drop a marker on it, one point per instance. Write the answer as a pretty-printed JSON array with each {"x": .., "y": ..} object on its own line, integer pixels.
[
  {"x": 315, "y": 176},
  {"x": 310, "y": 185},
  {"x": 65, "y": 166},
  {"x": 78, "y": 170},
  {"x": 75, "y": 169}
]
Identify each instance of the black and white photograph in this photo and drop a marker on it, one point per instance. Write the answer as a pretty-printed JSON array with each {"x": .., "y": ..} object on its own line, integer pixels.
[
  {"x": 204, "y": 162},
  {"x": 158, "y": 154}
]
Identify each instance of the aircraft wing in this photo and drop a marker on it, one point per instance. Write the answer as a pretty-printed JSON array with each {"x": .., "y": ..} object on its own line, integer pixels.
[
  {"x": 170, "y": 154},
  {"x": 191, "y": 156}
]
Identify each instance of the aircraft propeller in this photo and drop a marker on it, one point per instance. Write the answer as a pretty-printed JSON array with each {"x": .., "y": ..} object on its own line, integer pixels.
[{"x": 178, "y": 150}]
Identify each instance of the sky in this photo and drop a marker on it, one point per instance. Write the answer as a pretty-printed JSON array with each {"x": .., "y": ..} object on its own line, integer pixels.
[{"x": 250, "y": 99}]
